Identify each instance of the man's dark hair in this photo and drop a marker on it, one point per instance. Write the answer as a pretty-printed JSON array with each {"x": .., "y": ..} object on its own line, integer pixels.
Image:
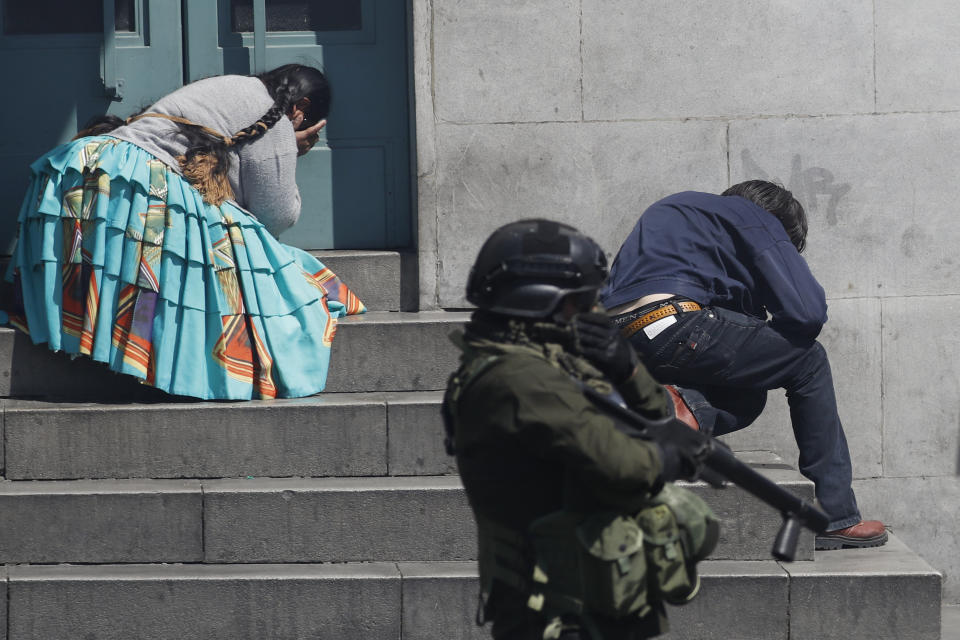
[{"x": 778, "y": 201}]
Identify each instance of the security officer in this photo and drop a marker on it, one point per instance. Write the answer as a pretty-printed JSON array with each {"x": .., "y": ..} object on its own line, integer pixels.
[{"x": 541, "y": 463}]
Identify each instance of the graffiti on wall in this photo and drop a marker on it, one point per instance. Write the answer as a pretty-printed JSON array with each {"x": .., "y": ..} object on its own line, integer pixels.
[{"x": 815, "y": 187}]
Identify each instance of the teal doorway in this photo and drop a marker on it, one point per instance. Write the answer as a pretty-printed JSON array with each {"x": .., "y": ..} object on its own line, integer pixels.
[{"x": 63, "y": 67}]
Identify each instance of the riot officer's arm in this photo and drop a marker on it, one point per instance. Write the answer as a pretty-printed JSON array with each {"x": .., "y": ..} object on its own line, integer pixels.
[{"x": 645, "y": 395}]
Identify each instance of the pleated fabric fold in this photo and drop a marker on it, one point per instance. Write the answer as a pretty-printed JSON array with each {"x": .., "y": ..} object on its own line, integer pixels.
[{"x": 118, "y": 258}]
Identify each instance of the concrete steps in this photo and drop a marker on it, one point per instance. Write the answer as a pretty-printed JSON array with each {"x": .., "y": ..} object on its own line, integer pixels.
[
  {"x": 383, "y": 351},
  {"x": 375, "y": 276},
  {"x": 279, "y": 520},
  {"x": 886, "y": 593},
  {"x": 373, "y": 434},
  {"x": 130, "y": 514},
  {"x": 832, "y": 597}
]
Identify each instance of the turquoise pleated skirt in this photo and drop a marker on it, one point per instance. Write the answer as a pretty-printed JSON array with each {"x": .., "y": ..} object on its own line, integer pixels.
[{"x": 118, "y": 258}]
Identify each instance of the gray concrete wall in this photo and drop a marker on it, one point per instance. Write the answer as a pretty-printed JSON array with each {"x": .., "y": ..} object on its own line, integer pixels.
[{"x": 587, "y": 112}]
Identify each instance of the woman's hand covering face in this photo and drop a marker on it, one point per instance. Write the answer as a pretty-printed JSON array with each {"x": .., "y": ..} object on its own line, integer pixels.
[{"x": 308, "y": 136}]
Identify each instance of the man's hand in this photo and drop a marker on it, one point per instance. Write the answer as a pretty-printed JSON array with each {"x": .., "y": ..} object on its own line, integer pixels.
[
  {"x": 600, "y": 342},
  {"x": 308, "y": 137}
]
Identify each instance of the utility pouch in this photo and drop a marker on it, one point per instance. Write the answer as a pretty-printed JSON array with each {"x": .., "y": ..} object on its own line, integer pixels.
[
  {"x": 681, "y": 530},
  {"x": 614, "y": 565},
  {"x": 594, "y": 564},
  {"x": 669, "y": 576}
]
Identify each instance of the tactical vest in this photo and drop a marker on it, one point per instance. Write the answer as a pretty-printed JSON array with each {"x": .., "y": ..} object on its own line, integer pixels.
[{"x": 605, "y": 564}]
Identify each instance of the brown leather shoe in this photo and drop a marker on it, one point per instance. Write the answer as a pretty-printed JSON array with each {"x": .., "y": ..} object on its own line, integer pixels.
[
  {"x": 680, "y": 409},
  {"x": 866, "y": 533}
]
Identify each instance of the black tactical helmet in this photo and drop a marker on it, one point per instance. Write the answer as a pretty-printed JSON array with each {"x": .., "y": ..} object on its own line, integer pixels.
[{"x": 525, "y": 268}]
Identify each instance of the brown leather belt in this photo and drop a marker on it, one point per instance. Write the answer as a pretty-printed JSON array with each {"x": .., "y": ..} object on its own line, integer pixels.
[{"x": 670, "y": 309}]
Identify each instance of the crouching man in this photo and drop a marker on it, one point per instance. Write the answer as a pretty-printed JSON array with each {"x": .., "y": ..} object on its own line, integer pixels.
[
  {"x": 714, "y": 296},
  {"x": 581, "y": 534}
]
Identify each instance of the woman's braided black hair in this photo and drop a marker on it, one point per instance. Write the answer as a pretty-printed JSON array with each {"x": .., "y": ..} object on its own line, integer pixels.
[
  {"x": 207, "y": 159},
  {"x": 290, "y": 84},
  {"x": 206, "y": 162}
]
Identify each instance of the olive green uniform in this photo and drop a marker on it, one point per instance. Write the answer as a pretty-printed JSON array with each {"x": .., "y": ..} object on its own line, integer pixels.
[{"x": 528, "y": 443}]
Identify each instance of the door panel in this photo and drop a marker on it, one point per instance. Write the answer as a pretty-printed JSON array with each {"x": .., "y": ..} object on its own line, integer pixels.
[
  {"x": 355, "y": 183},
  {"x": 300, "y": 15},
  {"x": 54, "y": 85},
  {"x": 65, "y": 16},
  {"x": 362, "y": 199}
]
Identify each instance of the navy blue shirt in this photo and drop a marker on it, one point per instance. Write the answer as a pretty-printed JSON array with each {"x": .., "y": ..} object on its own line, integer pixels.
[{"x": 721, "y": 251}]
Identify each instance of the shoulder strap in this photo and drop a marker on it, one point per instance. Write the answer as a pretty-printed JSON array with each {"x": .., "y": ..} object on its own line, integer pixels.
[{"x": 460, "y": 380}]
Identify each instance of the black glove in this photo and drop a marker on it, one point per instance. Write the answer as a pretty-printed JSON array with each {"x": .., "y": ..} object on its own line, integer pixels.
[
  {"x": 682, "y": 450},
  {"x": 600, "y": 342}
]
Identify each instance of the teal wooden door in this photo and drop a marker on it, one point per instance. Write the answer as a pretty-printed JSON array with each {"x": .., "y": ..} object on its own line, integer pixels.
[
  {"x": 60, "y": 70},
  {"x": 355, "y": 183}
]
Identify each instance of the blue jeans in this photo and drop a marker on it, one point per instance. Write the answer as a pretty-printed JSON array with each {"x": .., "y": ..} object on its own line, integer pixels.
[{"x": 725, "y": 362}]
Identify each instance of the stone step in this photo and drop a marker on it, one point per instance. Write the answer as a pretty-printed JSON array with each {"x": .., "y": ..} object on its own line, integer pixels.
[
  {"x": 277, "y": 520},
  {"x": 395, "y": 351},
  {"x": 949, "y": 621},
  {"x": 376, "y": 351},
  {"x": 887, "y": 592},
  {"x": 749, "y": 526},
  {"x": 873, "y": 594},
  {"x": 337, "y": 520},
  {"x": 101, "y": 521},
  {"x": 377, "y": 277},
  {"x": 330, "y": 434},
  {"x": 395, "y": 434},
  {"x": 172, "y": 602}
]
